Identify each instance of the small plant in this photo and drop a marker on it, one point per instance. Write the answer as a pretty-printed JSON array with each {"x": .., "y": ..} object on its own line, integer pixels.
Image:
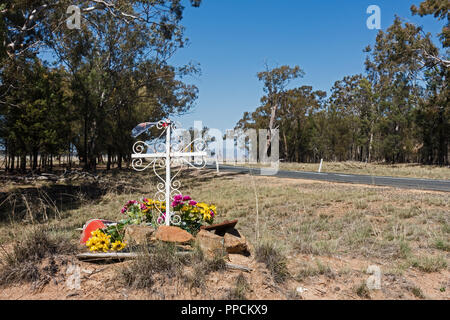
[
  {"x": 240, "y": 289},
  {"x": 404, "y": 250},
  {"x": 428, "y": 264},
  {"x": 274, "y": 261},
  {"x": 442, "y": 244},
  {"x": 361, "y": 205},
  {"x": 203, "y": 266},
  {"x": 417, "y": 292},
  {"x": 362, "y": 291},
  {"x": 311, "y": 271},
  {"x": 164, "y": 259}
]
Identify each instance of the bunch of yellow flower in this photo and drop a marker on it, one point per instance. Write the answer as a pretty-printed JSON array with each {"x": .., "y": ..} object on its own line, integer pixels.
[
  {"x": 208, "y": 211},
  {"x": 150, "y": 203},
  {"x": 117, "y": 245},
  {"x": 100, "y": 241}
]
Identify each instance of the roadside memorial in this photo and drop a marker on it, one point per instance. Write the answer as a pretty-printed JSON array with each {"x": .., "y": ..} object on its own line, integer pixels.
[{"x": 169, "y": 216}]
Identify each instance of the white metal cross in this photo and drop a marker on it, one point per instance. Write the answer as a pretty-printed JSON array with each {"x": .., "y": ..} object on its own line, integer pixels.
[{"x": 163, "y": 156}]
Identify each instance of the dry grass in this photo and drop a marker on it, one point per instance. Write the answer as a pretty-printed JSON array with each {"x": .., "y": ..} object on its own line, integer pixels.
[
  {"x": 240, "y": 290},
  {"x": 164, "y": 262},
  {"x": 160, "y": 259},
  {"x": 21, "y": 264},
  {"x": 274, "y": 261},
  {"x": 362, "y": 291}
]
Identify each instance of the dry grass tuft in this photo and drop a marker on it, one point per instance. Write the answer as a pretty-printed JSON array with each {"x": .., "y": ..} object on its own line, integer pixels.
[
  {"x": 311, "y": 271},
  {"x": 164, "y": 259},
  {"x": 241, "y": 287},
  {"x": 274, "y": 261},
  {"x": 428, "y": 263},
  {"x": 362, "y": 291},
  {"x": 22, "y": 264},
  {"x": 161, "y": 258}
]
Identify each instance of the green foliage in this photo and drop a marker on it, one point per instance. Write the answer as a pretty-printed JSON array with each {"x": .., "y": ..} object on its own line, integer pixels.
[
  {"x": 396, "y": 112},
  {"x": 439, "y": 9},
  {"x": 110, "y": 75}
]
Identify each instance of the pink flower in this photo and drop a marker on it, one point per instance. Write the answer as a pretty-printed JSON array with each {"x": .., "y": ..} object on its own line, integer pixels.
[
  {"x": 186, "y": 198},
  {"x": 176, "y": 203},
  {"x": 162, "y": 218},
  {"x": 178, "y": 197},
  {"x": 124, "y": 209},
  {"x": 192, "y": 203}
]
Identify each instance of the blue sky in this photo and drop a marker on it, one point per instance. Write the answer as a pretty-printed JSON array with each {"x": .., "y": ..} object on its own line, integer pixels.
[{"x": 232, "y": 40}]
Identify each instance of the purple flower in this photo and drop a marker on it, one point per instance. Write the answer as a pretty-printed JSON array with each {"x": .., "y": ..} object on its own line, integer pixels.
[
  {"x": 178, "y": 197},
  {"x": 186, "y": 198},
  {"x": 192, "y": 203}
]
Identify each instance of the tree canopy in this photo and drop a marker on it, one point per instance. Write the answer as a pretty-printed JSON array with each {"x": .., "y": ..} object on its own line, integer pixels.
[{"x": 398, "y": 111}]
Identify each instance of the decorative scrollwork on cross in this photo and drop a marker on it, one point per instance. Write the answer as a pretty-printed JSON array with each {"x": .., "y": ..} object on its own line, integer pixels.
[{"x": 164, "y": 154}]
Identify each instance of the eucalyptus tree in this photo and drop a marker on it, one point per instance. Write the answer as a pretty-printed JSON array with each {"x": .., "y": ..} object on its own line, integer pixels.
[
  {"x": 440, "y": 9},
  {"x": 353, "y": 115},
  {"x": 395, "y": 67},
  {"x": 118, "y": 64},
  {"x": 294, "y": 120},
  {"x": 275, "y": 82}
]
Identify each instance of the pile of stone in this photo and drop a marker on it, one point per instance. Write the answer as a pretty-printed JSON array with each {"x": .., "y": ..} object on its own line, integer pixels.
[{"x": 222, "y": 237}]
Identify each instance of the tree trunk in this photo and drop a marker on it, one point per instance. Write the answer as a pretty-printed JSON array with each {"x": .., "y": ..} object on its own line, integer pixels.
[
  {"x": 108, "y": 163},
  {"x": 23, "y": 163},
  {"x": 119, "y": 161}
]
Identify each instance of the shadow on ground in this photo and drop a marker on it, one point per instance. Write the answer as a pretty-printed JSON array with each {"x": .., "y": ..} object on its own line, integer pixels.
[{"x": 37, "y": 202}]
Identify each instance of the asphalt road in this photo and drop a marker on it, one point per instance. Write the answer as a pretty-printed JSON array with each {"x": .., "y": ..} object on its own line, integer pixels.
[{"x": 408, "y": 183}]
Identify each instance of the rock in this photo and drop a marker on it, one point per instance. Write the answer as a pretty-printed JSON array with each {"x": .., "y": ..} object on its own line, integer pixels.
[
  {"x": 138, "y": 234},
  {"x": 173, "y": 234},
  {"x": 210, "y": 243},
  {"x": 221, "y": 228},
  {"x": 235, "y": 244}
]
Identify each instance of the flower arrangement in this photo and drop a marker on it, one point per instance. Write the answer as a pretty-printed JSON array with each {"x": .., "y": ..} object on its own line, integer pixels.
[
  {"x": 101, "y": 241},
  {"x": 192, "y": 213}
]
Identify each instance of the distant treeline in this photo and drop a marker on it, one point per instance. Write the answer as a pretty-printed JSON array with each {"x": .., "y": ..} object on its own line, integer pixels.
[{"x": 398, "y": 111}]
